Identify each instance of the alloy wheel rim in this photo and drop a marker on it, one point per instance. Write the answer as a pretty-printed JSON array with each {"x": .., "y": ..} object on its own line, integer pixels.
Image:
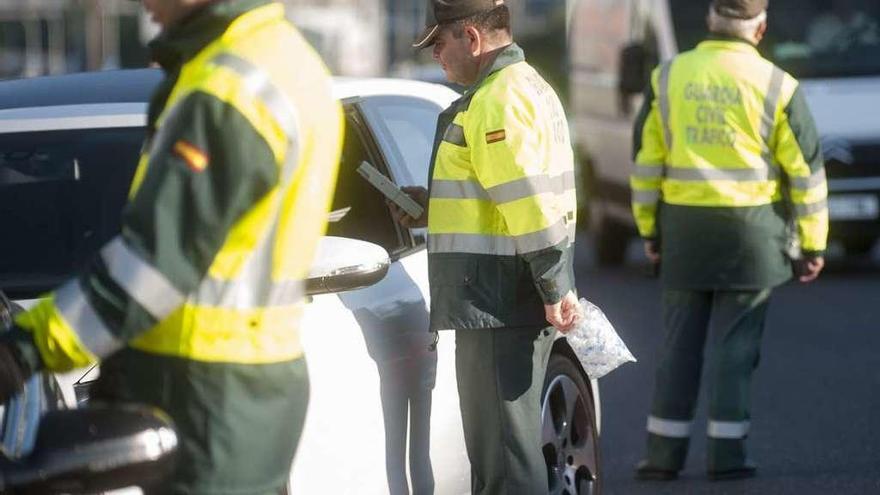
[{"x": 568, "y": 439}]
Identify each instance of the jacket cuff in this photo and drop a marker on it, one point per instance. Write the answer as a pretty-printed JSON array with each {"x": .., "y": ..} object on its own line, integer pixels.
[
  {"x": 813, "y": 254},
  {"x": 552, "y": 290}
]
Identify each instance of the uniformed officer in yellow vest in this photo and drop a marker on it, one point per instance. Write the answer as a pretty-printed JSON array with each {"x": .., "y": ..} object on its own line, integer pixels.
[
  {"x": 729, "y": 184},
  {"x": 501, "y": 222},
  {"x": 197, "y": 301}
]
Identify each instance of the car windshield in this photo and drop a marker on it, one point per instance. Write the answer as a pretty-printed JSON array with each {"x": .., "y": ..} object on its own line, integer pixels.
[{"x": 808, "y": 38}]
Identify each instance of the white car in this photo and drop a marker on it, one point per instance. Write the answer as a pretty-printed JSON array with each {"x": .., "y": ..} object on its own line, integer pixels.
[{"x": 383, "y": 414}]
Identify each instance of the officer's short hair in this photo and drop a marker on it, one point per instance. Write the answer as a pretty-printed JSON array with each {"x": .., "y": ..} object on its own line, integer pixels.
[{"x": 491, "y": 21}]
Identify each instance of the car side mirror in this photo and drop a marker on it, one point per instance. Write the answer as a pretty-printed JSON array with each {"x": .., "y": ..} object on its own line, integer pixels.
[
  {"x": 343, "y": 264},
  {"x": 95, "y": 449}
]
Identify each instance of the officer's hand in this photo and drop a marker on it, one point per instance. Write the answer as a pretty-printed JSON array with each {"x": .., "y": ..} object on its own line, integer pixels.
[
  {"x": 812, "y": 266},
  {"x": 420, "y": 196},
  {"x": 565, "y": 314},
  {"x": 652, "y": 251}
]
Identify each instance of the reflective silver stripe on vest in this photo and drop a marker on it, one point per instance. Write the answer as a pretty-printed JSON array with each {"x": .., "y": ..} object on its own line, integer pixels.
[
  {"x": 245, "y": 293},
  {"x": 458, "y": 189},
  {"x": 455, "y": 134},
  {"x": 527, "y": 187},
  {"x": 259, "y": 85},
  {"x": 663, "y": 100},
  {"x": 254, "y": 288},
  {"x": 728, "y": 174},
  {"x": 771, "y": 101},
  {"x": 645, "y": 197},
  {"x": 768, "y": 120},
  {"x": 648, "y": 171},
  {"x": 730, "y": 430},
  {"x": 140, "y": 279},
  {"x": 471, "y": 243},
  {"x": 804, "y": 210},
  {"x": 499, "y": 245},
  {"x": 669, "y": 427},
  {"x": 504, "y": 193},
  {"x": 807, "y": 183},
  {"x": 543, "y": 239},
  {"x": 89, "y": 327}
]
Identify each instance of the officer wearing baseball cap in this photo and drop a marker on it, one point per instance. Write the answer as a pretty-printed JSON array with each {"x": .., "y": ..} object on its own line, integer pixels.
[
  {"x": 739, "y": 9},
  {"x": 447, "y": 11},
  {"x": 501, "y": 222},
  {"x": 707, "y": 196}
]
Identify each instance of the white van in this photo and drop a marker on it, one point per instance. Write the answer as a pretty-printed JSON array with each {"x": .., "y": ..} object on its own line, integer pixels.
[{"x": 831, "y": 46}]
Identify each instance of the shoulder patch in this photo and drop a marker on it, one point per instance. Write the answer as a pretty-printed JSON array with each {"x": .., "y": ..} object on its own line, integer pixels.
[
  {"x": 495, "y": 136},
  {"x": 195, "y": 159}
]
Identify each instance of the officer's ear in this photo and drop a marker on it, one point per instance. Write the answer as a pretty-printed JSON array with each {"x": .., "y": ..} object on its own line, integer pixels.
[
  {"x": 475, "y": 40},
  {"x": 759, "y": 33}
]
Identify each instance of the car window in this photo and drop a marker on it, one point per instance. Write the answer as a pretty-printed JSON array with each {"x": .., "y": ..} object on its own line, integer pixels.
[
  {"x": 359, "y": 210},
  {"x": 405, "y": 126},
  {"x": 60, "y": 197}
]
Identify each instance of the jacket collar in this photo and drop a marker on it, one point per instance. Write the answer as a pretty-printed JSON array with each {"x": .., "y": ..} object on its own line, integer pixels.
[
  {"x": 724, "y": 42},
  {"x": 507, "y": 56},
  {"x": 182, "y": 41}
]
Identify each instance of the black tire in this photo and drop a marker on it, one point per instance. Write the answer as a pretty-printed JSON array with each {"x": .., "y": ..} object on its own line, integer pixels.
[{"x": 570, "y": 442}]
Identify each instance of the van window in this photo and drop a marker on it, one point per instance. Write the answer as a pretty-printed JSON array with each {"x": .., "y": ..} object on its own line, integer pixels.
[
  {"x": 61, "y": 193},
  {"x": 808, "y": 38}
]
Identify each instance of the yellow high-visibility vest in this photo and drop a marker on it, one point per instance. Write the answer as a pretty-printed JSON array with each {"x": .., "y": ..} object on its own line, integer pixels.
[
  {"x": 247, "y": 307},
  {"x": 717, "y": 135}
]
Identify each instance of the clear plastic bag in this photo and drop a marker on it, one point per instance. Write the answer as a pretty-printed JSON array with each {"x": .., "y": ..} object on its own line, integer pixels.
[{"x": 596, "y": 344}]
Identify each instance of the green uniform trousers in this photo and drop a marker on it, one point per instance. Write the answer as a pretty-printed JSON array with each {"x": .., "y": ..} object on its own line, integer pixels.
[
  {"x": 736, "y": 319},
  {"x": 500, "y": 374},
  {"x": 237, "y": 425}
]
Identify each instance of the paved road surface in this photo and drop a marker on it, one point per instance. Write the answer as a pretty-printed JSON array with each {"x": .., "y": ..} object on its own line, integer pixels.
[{"x": 816, "y": 396}]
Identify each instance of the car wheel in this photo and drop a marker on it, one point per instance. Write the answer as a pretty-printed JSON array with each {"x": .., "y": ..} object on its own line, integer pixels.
[{"x": 570, "y": 442}]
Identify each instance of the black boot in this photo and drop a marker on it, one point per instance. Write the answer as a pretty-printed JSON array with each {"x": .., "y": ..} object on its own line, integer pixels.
[
  {"x": 646, "y": 472},
  {"x": 747, "y": 470}
]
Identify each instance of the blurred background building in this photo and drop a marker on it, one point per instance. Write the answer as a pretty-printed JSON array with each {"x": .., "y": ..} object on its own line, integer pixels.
[
  {"x": 40, "y": 37},
  {"x": 355, "y": 37}
]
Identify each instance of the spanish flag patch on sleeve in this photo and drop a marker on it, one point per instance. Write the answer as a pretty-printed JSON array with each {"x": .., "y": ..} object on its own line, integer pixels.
[
  {"x": 195, "y": 159},
  {"x": 495, "y": 136}
]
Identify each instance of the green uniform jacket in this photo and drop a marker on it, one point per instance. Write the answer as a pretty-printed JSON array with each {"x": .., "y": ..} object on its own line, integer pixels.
[
  {"x": 196, "y": 303},
  {"x": 502, "y": 202},
  {"x": 728, "y": 171}
]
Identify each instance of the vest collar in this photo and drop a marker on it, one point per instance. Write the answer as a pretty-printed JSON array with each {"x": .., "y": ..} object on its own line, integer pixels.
[{"x": 182, "y": 41}]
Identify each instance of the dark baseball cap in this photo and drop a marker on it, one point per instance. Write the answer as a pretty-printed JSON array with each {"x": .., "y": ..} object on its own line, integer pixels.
[
  {"x": 445, "y": 11},
  {"x": 739, "y": 9}
]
